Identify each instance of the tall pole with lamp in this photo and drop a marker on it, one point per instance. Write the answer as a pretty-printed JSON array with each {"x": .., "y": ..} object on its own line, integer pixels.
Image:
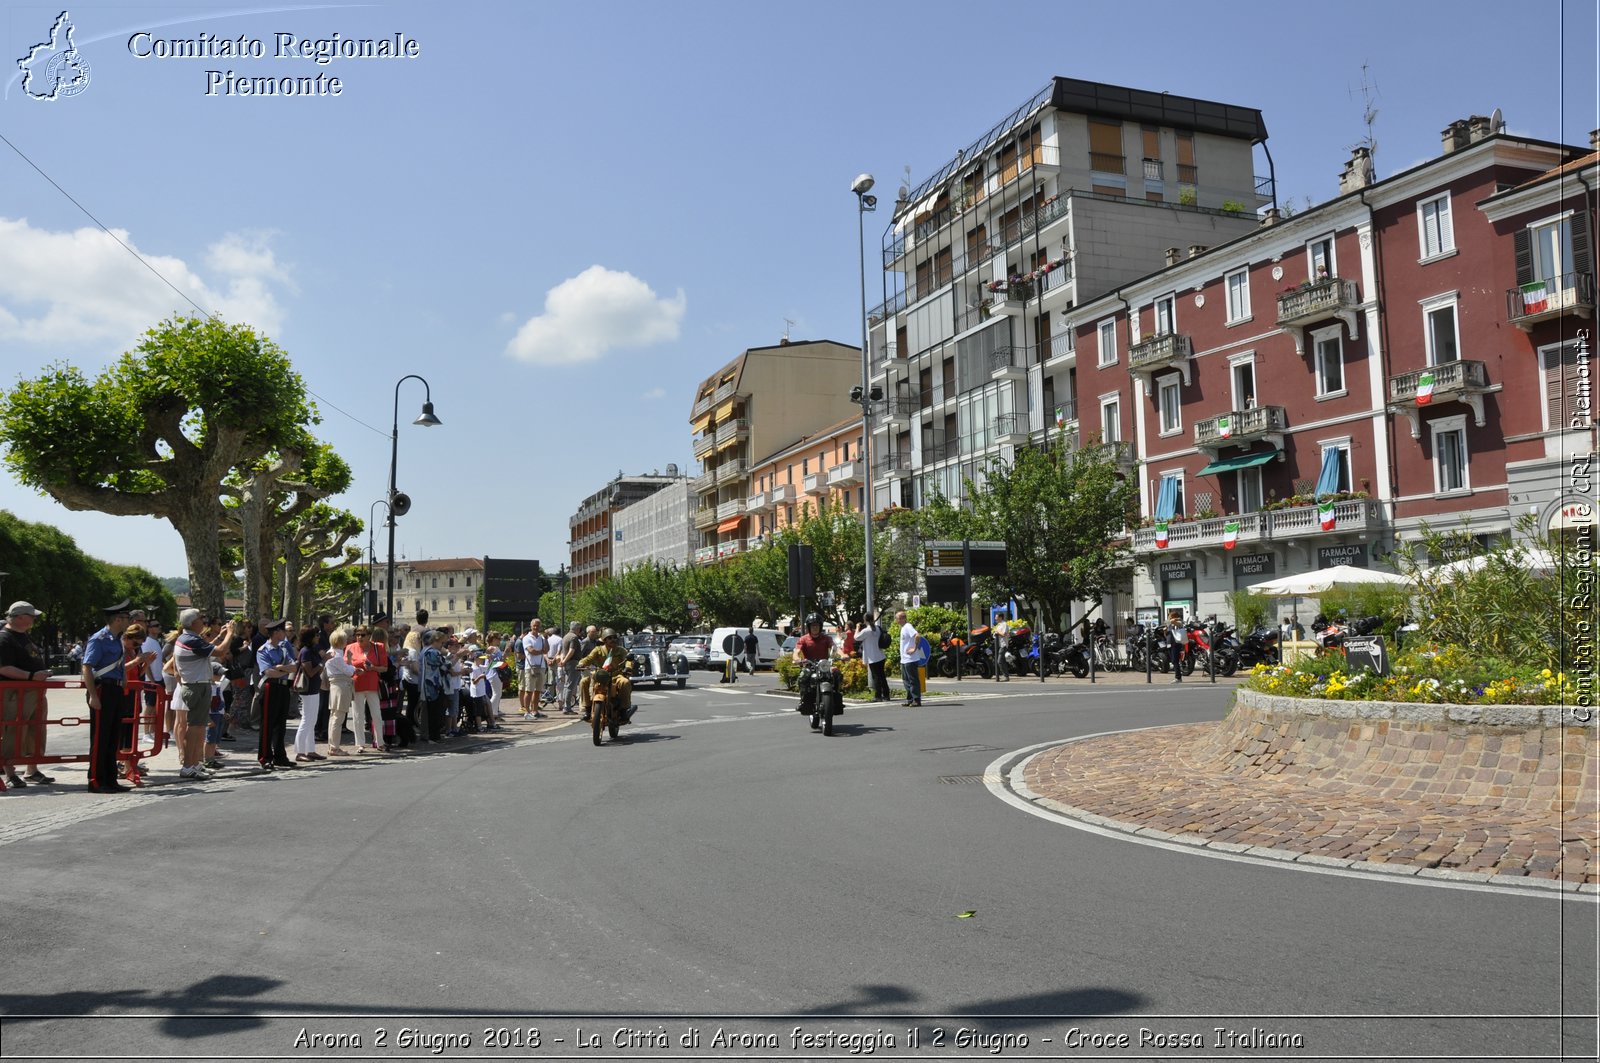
[
  {"x": 368, "y": 605},
  {"x": 398, "y": 503},
  {"x": 865, "y": 394},
  {"x": 562, "y": 579}
]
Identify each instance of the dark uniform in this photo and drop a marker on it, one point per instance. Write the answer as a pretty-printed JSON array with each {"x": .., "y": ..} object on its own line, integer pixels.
[
  {"x": 103, "y": 663},
  {"x": 275, "y": 697}
]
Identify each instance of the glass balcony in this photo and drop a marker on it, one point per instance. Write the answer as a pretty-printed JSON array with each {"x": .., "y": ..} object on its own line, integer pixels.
[
  {"x": 1448, "y": 382},
  {"x": 1303, "y": 306},
  {"x": 1549, "y": 298},
  {"x": 1242, "y": 428},
  {"x": 891, "y": 466}
]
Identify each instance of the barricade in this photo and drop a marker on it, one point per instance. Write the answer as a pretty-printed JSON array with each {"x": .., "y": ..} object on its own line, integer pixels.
[{"x": 25, "y": 725}]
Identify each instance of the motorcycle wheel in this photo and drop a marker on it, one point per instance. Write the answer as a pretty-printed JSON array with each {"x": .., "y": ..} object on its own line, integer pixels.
[
  {"x": 1080, "y": 668},
  {"x": 1227, "y": 664},
  {"x": 947, "y": 668},
  {"x": 984, "y": 668},
  {"x": 1189, "y": 663},
  {"x": 612, "y": 726},
  {"x": 827, "y": 715},
  {"x": 596, "y": 714}
]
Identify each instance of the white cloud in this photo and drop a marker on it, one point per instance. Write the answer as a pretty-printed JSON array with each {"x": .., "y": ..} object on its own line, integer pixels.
[
  {"x": 83, "y": 288},
  {"x": 596, "y": 311},
  {"x": 655, "y": 393}
]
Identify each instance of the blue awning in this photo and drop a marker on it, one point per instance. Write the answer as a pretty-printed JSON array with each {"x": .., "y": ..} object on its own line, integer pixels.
[
  {"x": 1167, "y": 498},
  {"x": 1328, "y": 478}
]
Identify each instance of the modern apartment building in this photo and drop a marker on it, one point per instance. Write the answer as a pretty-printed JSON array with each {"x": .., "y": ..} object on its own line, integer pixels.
[
  {"x": 1084, "y": 187},
  {"x": 762, "y": 400},
  {"x": 1412, "y": 351},
  {"x": 447, "y": 587},
  {"x": 818, "y": 470},
  {"x": 654, "y": 529},
  {"x": 590, "y": 546}
]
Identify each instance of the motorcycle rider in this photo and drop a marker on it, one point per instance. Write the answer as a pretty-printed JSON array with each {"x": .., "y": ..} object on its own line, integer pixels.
[
  {"x": 608, "y": 654},
  {"x": 814, "y": 645}
]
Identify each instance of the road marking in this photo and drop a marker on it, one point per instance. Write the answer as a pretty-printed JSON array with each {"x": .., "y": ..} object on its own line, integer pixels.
[{"x": 1004, "y": 779}]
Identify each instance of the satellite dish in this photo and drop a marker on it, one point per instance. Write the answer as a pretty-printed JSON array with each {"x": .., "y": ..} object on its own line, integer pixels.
[{"x": 1497, "y": 122}]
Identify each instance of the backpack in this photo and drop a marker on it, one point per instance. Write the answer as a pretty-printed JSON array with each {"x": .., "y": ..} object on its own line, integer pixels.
[{"x": 883, "y": 638}]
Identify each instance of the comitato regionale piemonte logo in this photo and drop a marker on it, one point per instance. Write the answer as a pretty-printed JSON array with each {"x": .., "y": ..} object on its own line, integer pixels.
[{"x": 54, "y": 69}]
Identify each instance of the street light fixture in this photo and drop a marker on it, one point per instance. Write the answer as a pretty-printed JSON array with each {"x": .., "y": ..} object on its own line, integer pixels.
[
  {"x": 398, "y": 503},
  {"x": 368, "y": 605},
  {"x": 865, "y": 203}
]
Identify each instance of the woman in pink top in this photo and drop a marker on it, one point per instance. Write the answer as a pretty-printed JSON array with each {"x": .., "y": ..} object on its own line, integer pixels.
[{"x": 369, "y": 658}]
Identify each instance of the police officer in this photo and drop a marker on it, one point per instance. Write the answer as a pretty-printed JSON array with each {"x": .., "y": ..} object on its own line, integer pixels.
[
  {"x": 276, "y": 662},
  {"x": 109, "y": 704}
]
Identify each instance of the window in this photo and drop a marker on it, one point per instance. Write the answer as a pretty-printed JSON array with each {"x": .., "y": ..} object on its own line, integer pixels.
[
  {"x": 1188, "y": 172},
  {"x": 1449, "y": 454},
  {"x": 1108, "y": 342},
  {"x": 452, "y": 605},
  {"x": 1166, "y": 315},
  {"x": 1249, "y": 490},
  {"x": 1111, "y": 419},
  {"x": 435, "y": 583},
  {"x": 1319, "y": 259},
  {"x": 1244, "y": 381},
  {"x": 1105, "y": 146},
  {"x": 805, "y": 466},
  {"x": 433, "y": 606},
  {"x": 1342, "y": 448},
  {"x": 1437, "y": 235},
  {"x": 469, "y": 605},
  {"x": 469, "y": 583},
  {"x": 419, "y": 584},
  {"x": 1170, "y": 401},
  {"x": 382, "y": 584},
  {"x": 1439, "y": 328},
  {"x": 1328, "y": 351},
  {"x": 399, "y": 605},
  {"x": 1238, "y": 296},
  {"x": 452, "y": 581},
  {"x": 1175, "y": 478}
]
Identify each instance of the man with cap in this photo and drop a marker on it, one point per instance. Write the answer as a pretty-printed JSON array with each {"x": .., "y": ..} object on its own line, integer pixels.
[
  {"x": 192, "y": 656},
  {"x": 109, "y": 704},
  {"x": 276, "y": 662},
  {"x": 22, "y": 712}
]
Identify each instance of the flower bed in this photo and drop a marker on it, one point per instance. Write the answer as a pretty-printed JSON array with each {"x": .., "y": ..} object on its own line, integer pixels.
[{"x": 1451, "y": 675}]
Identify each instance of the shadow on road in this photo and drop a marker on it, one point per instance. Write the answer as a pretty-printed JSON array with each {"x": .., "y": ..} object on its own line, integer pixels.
[{"x": 1032, "y": 1009}]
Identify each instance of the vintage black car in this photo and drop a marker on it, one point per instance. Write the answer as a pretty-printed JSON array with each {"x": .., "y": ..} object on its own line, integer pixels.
[{"x": 654, "y": 662}]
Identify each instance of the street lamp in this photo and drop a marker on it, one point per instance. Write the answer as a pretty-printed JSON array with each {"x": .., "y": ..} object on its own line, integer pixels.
[
  {"x": 3, "y": 576},
  {"x": 399, "y": 503},
  {"x": 367, "y": 604},
  {"x": 562, "y": 579},
  {"x": 865, "y": 203}
]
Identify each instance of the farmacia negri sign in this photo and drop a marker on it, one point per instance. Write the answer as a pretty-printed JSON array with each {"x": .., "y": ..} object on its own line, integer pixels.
[{"x": 321, "y": 51}]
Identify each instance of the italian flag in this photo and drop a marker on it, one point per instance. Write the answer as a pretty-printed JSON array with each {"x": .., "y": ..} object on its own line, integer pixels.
[
  {"x": 1424, "y": 389},
  {"x": 1161, "y": 535},
  {"x": 1230, "y": 534},
  {"x": 1061, "y": 417},
  {"x": 1225, "y": 426},
  {"x": 1325, "y": 514},
  {"x": 1535, "y": 298}
]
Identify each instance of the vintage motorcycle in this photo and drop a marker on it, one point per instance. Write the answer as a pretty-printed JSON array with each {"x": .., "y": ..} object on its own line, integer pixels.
[
  {"x": 821, "y": 694},
  {"x": 606, "y": 712}
]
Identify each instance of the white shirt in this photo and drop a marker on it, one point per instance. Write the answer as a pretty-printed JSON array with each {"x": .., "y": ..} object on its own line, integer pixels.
[
  {"x": 867, "y": 640},
  {"x": 534, "y": 648},
  {"x": 340, "y": 670},
  {"x": 480, "y": 677},
  {"x": 152, "y": 671},
  {"x": 910, "y": 652},
  {"x": 556, "y": 642}
]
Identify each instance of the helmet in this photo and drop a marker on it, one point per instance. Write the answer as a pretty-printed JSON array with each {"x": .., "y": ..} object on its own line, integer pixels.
[
  {"x": 607, "y": 634},
  {"x": 813, "y": 619}
]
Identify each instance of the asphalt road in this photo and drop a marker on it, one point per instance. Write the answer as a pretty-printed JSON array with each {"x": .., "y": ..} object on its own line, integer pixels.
[{"x": 727, "y": 870}]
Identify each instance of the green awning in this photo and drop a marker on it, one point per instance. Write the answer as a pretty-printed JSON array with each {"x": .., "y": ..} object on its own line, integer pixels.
[{"x": 1234, "y": 464}]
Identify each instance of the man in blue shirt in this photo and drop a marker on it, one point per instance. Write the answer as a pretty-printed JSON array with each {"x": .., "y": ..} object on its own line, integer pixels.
[
  {"x": 109, "y": 704},
  {"x": 276, "y": 662}
]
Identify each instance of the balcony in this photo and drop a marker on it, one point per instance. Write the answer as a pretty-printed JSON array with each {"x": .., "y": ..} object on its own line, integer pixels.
[
  {"x": 1011, "y": 429},
  {"x": 729, "y": 547},
  {"x": 705, "y": 517},
  {"x": 1153, "y": 170},
  {"x": 701, "y": 405},
  {"x": 1061, "y": 352},
  {"x": 1553, "y": 297},
  {"x": 1013, "y": 302},
  {"x": 845, "y": 474},
  {"x": 760, "y": 502},
  {"x": 891, "y": 466},
  {"x": 1010, "y": 363},
  {"x": 1357, "y": 516},
  {"x": 937, "y": 452},
  {"x": 726, "y": 391},
  {"x": 729, "y": 471},
  {"x": 1064, "y": 412},
  {"x": 887, "y": 362},
  {"x": 732, "y": 432},
  {"x": 704, "y": 444},
  {"x": 816, "y": 483},
  {"x": 782, "y": 494},
  {"x": 705, "y": 555},
  {"x": 893, "y": 304},
  {"x": 1242, "y": 428},
  {"x": 1166, "y": 351},
  {"x": 731, "y": 508},
  {"x": 899, "y": 409},
  {"x": 706, "y": 481},
  {"x": 1451, "y": 382},
  {"x": 1303, "y": 306}
]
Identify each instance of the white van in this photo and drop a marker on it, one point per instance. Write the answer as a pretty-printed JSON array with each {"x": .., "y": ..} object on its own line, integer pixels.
[{"x": 769, "y": 646}]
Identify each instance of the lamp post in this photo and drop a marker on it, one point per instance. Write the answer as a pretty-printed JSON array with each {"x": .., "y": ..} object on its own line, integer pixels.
[
  {"x": 367, "y": 604},
  {"x": 865, "y": 203},
  {"x": 3, "y": 576},
  {"x": 397, "y": 502},
  {"x": 562, "y": 579}
]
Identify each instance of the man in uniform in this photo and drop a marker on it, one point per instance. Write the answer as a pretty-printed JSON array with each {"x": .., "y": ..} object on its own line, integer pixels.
[
  {"x": 275, "y": 660},
  {"x": 109, "y": 705}
]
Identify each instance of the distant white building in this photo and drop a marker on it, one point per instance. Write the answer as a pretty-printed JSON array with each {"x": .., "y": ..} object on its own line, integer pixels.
[
  {"x": 655, "y": 528},
  {"x": 447, "y": 587}
]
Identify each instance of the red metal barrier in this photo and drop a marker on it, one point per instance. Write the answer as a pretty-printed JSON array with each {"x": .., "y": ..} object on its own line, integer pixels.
[{"x": 25, "y": 723}]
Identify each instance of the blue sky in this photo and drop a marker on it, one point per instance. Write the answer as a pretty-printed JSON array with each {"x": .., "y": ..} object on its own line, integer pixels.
[{"x": 564, "y": 215}]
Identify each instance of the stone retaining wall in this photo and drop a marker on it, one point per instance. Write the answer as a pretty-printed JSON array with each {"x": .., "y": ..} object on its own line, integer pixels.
[{"x": 1513, "y": 757}]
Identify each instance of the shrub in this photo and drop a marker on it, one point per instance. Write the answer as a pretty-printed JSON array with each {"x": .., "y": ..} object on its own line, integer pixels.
[
  {"x": 1433, "y": 675},
  {"x": 1250, "y": 611},
  {"x": 854, "y": 675},
  {"x": 788, "y": 672}
]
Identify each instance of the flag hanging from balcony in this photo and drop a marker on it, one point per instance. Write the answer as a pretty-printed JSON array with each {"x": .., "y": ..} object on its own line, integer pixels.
[
  {"x": 1535, "y": 298},
  {"x": 1230, "y": 534},
  {"x": 1325, "y": 514},
  {"x": 1424, "y": 389},
  {"x": 1061, "y": 417},
  {"x": 1161, "y": 535},
  {"x": 1225, "y": 426}
]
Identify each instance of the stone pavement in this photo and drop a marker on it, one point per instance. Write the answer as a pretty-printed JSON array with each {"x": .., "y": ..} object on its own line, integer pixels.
[{"x": 1185, "y": 783}]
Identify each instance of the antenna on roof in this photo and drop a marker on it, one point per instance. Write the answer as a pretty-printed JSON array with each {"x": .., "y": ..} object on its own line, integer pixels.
[
  {"x": 788, "y": 323},
  {"x": 1369, "y": 116},
  {"x": 905, "y": 187}
]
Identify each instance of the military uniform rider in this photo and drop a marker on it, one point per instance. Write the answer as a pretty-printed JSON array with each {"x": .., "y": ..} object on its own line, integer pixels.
[
  {"x": 109, "y": 703},
  {"x": 609, "y": 653}
]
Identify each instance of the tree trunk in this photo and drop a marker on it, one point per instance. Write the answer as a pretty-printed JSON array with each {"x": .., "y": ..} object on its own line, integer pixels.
[
  {"x": 198, "y": 524},
  {"x": 291, "y": 584},
  {"x": 257, "y": 589}
]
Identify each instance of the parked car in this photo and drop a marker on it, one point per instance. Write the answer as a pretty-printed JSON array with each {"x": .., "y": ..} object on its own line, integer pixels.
[
  {"x": 655, "y": 662},
  {"x": 788, "y": 645},
  {"x": 697, "y": 648}
]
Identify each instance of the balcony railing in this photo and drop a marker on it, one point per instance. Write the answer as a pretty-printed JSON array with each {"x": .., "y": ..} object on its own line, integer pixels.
[
  {"x": 1188, "y": 174},
  {"x": 1063, "y": 345},
  {"x": 726, "y": 391},
  {"x": 729, "y": 471},
  {"x": 1063, "y": 410},
  {"x": 760, "y": 502},
  {"x": 703, "y": 483},
  {"x": 1266, "y": 187},
  {"x": 937, "y": 452},
  {"x": 705, "y": 517},
  {"x": 732, "y": 430},
  {"x": 782, "y": 494},
  {"x": 704, "y": 443},
  {"x": 1153, "y": 170},
  {"x": 731, "y": 508},
  {"x": 1333, "y": 297},
  {"x": 816, "y": 483},
  {"x": 1242, "y": 427},
  {"x": 702, "y": 404},
  {"x": 1449, "y": 382},
  {"x": 1010, "y": 361},
  {"x": 1297, "y": 522},
  {"x": 1039, "y": 156},
  {"x": 729, "y": 547},
  {"x": 1165, "y": 351},
  {"x": 901, "y": 407},
  {"x": 1570, "y": 293},
  {"x": 1105, "y": 162},
  {"x": 894, "y": 303},
  {"x": 845, "y": 474},
  {"x": 893, "y": 465},
  {"x": 1011, "y": 429},
  {"x": 705, "y": 555}
]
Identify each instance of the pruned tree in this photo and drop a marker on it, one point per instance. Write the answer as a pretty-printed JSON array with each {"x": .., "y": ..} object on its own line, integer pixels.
[{"x": 319, "y": 534}]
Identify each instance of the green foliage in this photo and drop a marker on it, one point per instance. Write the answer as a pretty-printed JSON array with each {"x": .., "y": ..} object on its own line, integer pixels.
[
  {"x": 788, "y": 672},
  {"x": 839, "y": 561},
  {"x": 935, "y": 620},
  {"x": 734, "y": 592},
  {"x": 853, "y": 675},
  {"x": 1373, "y": 599},
  {"x": 1433, "y": 675},
  {"x": 44, "y": 566},
  {"x": 1250, "y": 611}
]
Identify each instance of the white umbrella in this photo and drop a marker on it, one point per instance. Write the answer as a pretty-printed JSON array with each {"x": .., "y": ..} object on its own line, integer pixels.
[
  {"x": 1536, "y": 560},
  {"x": 1310, "y": 584}
]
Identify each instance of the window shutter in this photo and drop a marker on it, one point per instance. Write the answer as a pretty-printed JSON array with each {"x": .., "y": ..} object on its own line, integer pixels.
[
  {"x": 1582, "y": 254},
  {"x": 1522, "y": 241},
  {"x": 1561, "y": 381}
]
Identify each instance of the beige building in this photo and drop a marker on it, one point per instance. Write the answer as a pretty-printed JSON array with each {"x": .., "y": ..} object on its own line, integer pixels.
[
  {"x": 760, "y": 402},
  {"x": 447, "y": 587},
  {"x": 814, "y": 472}
]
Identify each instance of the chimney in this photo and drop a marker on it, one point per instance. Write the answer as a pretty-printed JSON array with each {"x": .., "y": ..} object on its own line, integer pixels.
[
  {"x": 1594, "y": 139},
  {"x": 1357, "y": 172},
  {"x": 783, "y": 341},
  {"x": 1455, "y": 135},
  {"x": 1174, "y": 253},
  {"x": 1479, "y": 127},
  {"x": 1196, "y": 250},
  {"x": 1271, "y": 217}
]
